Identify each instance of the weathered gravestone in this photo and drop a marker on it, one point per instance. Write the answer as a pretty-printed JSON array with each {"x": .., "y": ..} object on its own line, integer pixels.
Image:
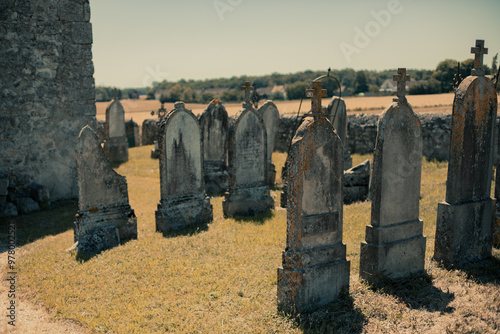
[
  {"x": 132, "y": 132},
  {"x": 104, "y": 213},
  {"x": 183, "y": 199},
  {"x": 395, "y": 246},
  {"x": 214, "y": 124},
  {"x": 116, "y": 143},
  {"x": 248, "y": 192},
  {"x": 337, "y": 114},
  {"x": 314, "y": 269},
  {"x": 271, "y": 117},
  {"x": 154, "y": 128},
  {"x": 465, "y": 221}
]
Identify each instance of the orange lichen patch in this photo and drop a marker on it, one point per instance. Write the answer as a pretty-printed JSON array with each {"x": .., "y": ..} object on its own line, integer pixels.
[{"x": 94, "y": 210}]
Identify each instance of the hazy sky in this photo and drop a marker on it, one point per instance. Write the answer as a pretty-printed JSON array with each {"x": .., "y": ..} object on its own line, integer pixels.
[{"x": 138, "y": 42}]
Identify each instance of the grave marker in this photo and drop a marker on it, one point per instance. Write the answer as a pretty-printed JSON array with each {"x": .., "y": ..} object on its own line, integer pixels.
[
  {"x": 116, "y": 143},
  {"x": 248, "y": 192},
  {"x": 337, "y": 114},
  {"x": 103, "y": 197},
  {"x": 395, "y": 246},
  {"x": 464, "y": 224},
  {"x": 183, "y": 199},
  {"x": 271, "y": 117},
  {"x": 314, "y": 269}
]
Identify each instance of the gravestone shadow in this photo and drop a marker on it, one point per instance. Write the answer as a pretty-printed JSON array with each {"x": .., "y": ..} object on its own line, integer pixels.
[
  {"x": 482, "y": 272},
  {"x": 257, "y": 219},
  {"x": 59, "y": 218},
  {"x": 84, "y": 257},
  {"x": 338, "y": 317},
  {"x": 189, "y": 231},
  {"x": 417, "y": 292}
]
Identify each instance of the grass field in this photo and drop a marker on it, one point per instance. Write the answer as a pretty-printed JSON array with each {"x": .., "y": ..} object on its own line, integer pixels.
[
  {"x": 139, "y": 110},
  {"x": 222, "y": 279}
]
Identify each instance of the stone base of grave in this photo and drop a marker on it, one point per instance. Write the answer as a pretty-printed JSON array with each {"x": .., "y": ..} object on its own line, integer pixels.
[
  {"x": 464, "y": 232},
  {"x": 394, "y": 251},
  {"x": 271, "y": 175},
  {"x": 116, "y": 149},
  {"x": 179, "y": 213},
  {"x": 347, "y": 160},
  {"x": 247, "y": 201},
  {"x": 216, "y": 178},
  {"x": 312, "y": 279},
  {"x": 121, "y": 217},
  {"x": 97, "y": 240}
]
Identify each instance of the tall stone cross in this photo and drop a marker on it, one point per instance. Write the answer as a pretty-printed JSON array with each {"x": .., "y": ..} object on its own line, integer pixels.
[
  {"x": 401, "y": 78},
  {"x": 316, "y": 93},
  {"x": 479, "y": 51},
  {"x": 247, "y": 88}
]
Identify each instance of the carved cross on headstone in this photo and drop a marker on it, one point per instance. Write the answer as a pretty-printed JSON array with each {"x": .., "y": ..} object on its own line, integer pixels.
[
  {"x": 479, "y": 51},
  {"x": 247, "y": 88},
  {"x": 316, "y": 93},
  {"x": 401, "y": 79}
]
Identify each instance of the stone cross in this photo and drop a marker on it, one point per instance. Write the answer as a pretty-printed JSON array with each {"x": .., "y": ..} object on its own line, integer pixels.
[
  {"x": 401, "y": 78},
  {"x": 247, "y": 88},
  {"x": 316, "y": 93},
  {"x": 479, "y": 51}
]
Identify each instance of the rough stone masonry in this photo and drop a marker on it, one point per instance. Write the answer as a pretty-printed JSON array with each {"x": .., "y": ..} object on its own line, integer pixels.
[
  {"x": 48, "y": 95},
  {"x": 464, "y": 226}
]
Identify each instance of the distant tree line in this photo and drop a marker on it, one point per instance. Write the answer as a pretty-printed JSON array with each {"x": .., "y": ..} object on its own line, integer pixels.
[
  {"x": 103, "y": 93},
  {"x": 439, "y": 80}
]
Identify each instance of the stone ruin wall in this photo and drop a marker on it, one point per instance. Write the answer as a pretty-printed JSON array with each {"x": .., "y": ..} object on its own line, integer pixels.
[{"x": 47, "y": 91}]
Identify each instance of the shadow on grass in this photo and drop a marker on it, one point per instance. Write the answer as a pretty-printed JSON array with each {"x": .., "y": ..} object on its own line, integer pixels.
[
  {"x": 338, "y": 317},
  {"x": 482, "y": 272},
  {"x": 55, "y": 220},
  {"x": 83, "y": 257},
  {"x": 191, "y": 230},
  {"x": 417, "y": 292},
  {"x": 258, "y": 219}
]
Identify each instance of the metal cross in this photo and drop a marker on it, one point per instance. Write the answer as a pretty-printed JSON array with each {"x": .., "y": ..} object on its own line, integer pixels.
[
  {"x": 401, "y": 78},
  {"x": 160, "y": 112},
  {"x": 479, "y": 51},
  {"x": 115, "y": 94},
  {"x": 248, "y": 95},
  {"x": 316, "y": 93}
]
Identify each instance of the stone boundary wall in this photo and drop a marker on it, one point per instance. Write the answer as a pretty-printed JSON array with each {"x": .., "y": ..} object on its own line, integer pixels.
[
  {"x": 47, "y": 92},
  {"x": 361, "y": 131}
]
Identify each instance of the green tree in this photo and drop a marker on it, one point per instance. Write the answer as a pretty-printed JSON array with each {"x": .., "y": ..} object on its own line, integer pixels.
[
  {"x": 296, "y": 90},
  {"x": 444, "y": 73},
  {"x": 361, "y": 85},
  {"x": 206, "y": 97},
  {"x": 431, "y": 86},
  {"x": 175, "y": 93}
]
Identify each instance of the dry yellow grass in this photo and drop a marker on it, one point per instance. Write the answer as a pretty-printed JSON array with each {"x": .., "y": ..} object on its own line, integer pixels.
[{"x": 223, "y": 278}]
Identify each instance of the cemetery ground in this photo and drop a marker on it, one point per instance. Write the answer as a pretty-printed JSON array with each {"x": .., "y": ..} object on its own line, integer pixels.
[{"x": 222, "y": 278}]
